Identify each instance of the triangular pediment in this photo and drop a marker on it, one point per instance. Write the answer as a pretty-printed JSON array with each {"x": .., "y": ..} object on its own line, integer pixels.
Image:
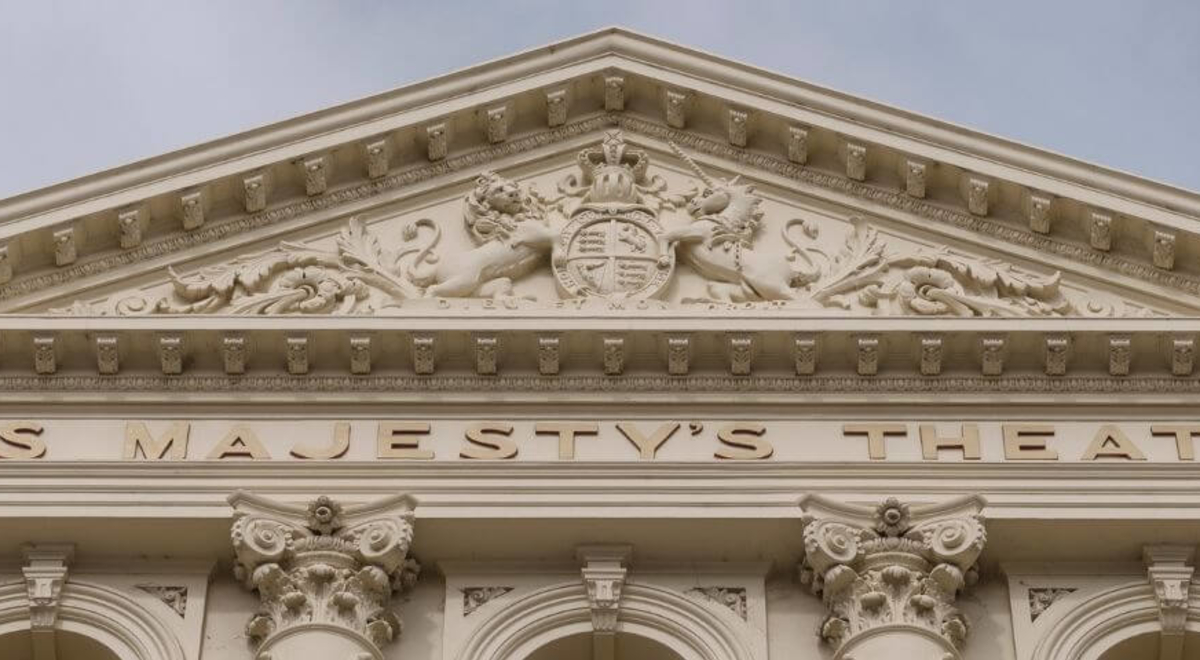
[
  {"x": 644, "y": 225},
  {"x": 858, "y": 209}
]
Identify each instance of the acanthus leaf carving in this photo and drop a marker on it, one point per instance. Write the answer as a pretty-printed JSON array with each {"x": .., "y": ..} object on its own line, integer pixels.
[
  {"x": 323, "y": 565},
  {"x": 891, "y": 567}
]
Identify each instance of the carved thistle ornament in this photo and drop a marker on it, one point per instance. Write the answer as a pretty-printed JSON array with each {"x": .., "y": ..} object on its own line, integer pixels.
[
  {"x": 895, "y": 567},
  {"x": 611, "y": 231},
  {"x": 323, "y": 566}
]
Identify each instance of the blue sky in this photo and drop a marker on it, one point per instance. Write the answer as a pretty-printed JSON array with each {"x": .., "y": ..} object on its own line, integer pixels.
[{"x": 90, "y": 85}]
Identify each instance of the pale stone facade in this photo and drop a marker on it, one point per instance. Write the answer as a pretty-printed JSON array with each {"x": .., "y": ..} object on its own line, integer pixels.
[{"x": 609, "y": 349}]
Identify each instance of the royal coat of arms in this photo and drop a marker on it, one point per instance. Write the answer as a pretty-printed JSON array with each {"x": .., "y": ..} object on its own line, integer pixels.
[{"x": 613, "y": 245}]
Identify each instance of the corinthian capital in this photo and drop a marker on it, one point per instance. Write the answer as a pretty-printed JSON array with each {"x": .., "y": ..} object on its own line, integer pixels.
[
  {"x": 892, "y": 568},
  {"x": 325, "y": 573}
]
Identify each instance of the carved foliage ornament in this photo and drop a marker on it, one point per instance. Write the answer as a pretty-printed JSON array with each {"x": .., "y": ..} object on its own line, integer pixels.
[
  {"x": 611, "y": 231},
  {"x": 323, "y": 564},
  {"x": 891, "y": 566}
]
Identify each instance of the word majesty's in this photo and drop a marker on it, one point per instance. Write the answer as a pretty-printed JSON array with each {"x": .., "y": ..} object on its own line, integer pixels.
[{"x": 570, "y": 440}]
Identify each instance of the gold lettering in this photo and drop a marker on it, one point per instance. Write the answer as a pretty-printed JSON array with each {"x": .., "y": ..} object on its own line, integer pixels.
[
  {"x": 1110, "y": 442},
  {"x": 336, "y": 449},
  {"x": 747, "y": 437},
  {"x": 1027, "y": 442},
  {"x": 648, "y": 447},
  {"x": 875, "y": 434},
  {"x": 489, "y": 441},
  {"x": 174, "y": 440},
  {"x": 967, "y": 441},
  {"x": 240, "y": 442},
  {"x": 403, "y": 440},
  {"x": 1184, "y": 434},
  {"x": 20, "y": 441},
  {"x": 567, "y": 432}
]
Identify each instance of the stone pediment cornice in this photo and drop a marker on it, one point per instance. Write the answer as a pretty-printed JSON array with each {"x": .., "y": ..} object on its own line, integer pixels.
[
  {"x": 760, "y": 121},
  {"x": 612, "y": 352}
]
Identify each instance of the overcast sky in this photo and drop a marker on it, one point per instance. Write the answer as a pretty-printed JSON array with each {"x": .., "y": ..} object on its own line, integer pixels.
[{"x": 92, "y": 84}]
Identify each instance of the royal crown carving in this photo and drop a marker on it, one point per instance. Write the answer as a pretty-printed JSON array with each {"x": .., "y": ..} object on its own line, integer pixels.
[
  {"x": 324, "y": 565},
  {"x": 891, "y": 567},
  {"x": 613, "y": 231}
]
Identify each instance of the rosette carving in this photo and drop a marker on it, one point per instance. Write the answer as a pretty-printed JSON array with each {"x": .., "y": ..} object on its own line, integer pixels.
[
  {"x": 323, "y": 565},
  {"x": 892, "y": 566}
]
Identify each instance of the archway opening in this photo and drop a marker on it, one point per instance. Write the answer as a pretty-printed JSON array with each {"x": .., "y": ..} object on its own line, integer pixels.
[
  {"x": 1146, "y": 645},
  {"x": 627, "y": 647},
  {"x": 68, "y": 646}
]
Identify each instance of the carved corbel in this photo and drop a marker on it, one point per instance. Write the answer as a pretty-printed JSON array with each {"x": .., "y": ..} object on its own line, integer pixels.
[
  {"x": 45, "y": 571},
  {"x": 614, "y": 93},
  {"x": 487, "y": 354},
  {"x": 737, "y": 125},
  {"x": 317, "y": 172},
  {"x": 991, "y": 355},
  {"x": 604, "y": 574},
  {"x": 914, "y": 171},
  {"x": 931, "y": 355},
  {"x": 1183, "y": 355},
  {"x": 360, "y": 355},
  {"x": 1170, "y": 572},
  {"x": 107, "y": 354},
  {"x": 130, "y": 223},
  {"x": 975, "y": 191},
  {"x": 496, "y": 121},
  {"x": 1057, "y": 352},
  {"x": 233, "y": 354},
  {"x": 804, "y": 352},
  {"x": 866, "y": 355},
  {"x": 613, "y": 350},
  {"x": 377, "y": 157},
  {"x": 254, "y": 190},
  {"x": 193, "y": 205},
  {"x": 437, "y": 140},
  {"x": 741, "y": 353},
  {"x": 1163, "y": 249},
  {"x": 297, "y": 355},
  {"x": 558, "y": 103},
  {"x": 65, "y": 246},
  {"x": 170, "y": 354},
  {"x": 1039, "y": 211},
  {"x": 548, "y": 354},
  {"x": 424, "y": 353},
  {"x": 679, "y": 354},
  {"x": 324, "y": 574},
  {"x": 6, "y": 264},
  {"x": 797, "y": 144},
  {"x": 675, "y": 107},
  {"x": 855, "y": 156},
  {"x": 45, "y": 355},
  {"x": 1099, "y": 226},
  {"x": 888, "y": 568},
  {"x": 1120, "y": 355}
]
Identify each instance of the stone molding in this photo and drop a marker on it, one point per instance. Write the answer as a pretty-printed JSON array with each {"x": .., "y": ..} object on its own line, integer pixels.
[
  {"x": 891, "y": 568},
  {"x": 1170, "y": 570},
  {"x": 604, "y": 573},
  {"x": 323, "y": 567},
  {"x": 45, "y": 571}
]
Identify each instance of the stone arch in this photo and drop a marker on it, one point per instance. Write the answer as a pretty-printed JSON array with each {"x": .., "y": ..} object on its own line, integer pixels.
[
  {"x": 1105, "y": 619},
  {"x": 99, "y": 612},
  {"x": 692, "y": 630}
]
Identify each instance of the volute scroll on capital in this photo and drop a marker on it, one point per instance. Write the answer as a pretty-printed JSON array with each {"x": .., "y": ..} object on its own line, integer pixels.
[
  {"x": 893, "y": 568},
  {"x": 323, "y": 567},
  {"x": 613, "y": 231}
]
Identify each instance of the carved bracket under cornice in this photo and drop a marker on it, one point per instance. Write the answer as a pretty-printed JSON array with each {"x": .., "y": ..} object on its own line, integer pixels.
[{"x": 604, "y": 571}]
